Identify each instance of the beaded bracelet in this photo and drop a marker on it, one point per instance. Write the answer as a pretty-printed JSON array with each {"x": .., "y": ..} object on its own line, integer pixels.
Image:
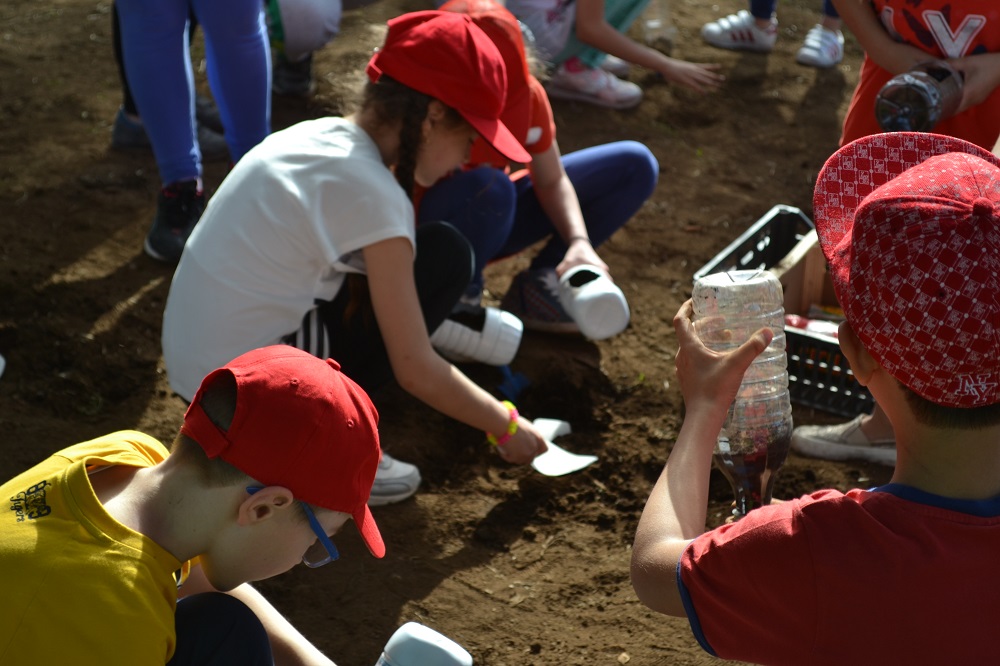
[{"x": 511, "y": 426}]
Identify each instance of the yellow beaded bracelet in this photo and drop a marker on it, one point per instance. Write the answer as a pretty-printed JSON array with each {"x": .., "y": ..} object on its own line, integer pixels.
[{"x": 511, "y": 426}]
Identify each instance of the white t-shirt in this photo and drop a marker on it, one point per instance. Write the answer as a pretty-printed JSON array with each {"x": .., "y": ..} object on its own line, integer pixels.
[{"x": 285, "y": 226}]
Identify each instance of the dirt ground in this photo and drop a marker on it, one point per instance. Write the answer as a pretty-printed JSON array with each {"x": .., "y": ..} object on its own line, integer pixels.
[{"x": 517, "y": 567}]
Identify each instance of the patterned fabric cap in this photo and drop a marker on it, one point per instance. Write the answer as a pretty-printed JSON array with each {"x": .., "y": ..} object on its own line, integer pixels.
[{"x": 910, "y": 226}]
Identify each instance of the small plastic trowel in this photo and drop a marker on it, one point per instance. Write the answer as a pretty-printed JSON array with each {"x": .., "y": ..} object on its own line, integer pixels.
[{"x": 557, "y": 461}]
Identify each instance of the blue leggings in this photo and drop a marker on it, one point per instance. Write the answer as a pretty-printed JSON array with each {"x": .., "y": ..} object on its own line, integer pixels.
[
  {"x": 763, "y": 9},
  {"x": 501, "y": 217},
  {"x": 215, "y": 629},
  {"x": 158, "y": 66}
]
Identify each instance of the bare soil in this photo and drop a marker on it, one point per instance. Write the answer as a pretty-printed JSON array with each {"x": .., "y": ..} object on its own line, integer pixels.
[{"x": 517, "y": 567}]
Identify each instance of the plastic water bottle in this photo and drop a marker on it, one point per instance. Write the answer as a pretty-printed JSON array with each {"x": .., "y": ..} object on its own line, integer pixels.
[
  {"x": 658, "y": 30},
  {"x": 414, "y": 644},
  {"x": 917, "y": 100},
  {"x": 754, "y": 441}
]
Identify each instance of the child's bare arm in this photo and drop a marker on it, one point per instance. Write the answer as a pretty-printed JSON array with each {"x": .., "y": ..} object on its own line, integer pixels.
[
  {"x": 675, "y": 511},
  {"x": 982, "y": 77},
  {"x": 593, "y": 29}
]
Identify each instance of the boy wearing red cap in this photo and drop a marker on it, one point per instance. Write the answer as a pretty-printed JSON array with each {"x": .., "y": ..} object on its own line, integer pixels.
[
  {"x": 311, "y": 239},
  {"x": 277, "y": 451},
  {"x": 903, "y": 573}
]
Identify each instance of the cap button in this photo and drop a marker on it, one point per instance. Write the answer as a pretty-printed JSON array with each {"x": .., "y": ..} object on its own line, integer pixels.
[{"x": 982, "y": 207}]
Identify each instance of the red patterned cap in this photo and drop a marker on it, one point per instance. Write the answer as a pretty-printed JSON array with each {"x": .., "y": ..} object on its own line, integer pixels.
[
  {"x": 910, "y": 226},
  {"x": 299, "y": 423}
]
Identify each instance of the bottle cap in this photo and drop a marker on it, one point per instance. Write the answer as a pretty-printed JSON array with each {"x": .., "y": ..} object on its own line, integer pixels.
[{"x": 414, "y": 644}]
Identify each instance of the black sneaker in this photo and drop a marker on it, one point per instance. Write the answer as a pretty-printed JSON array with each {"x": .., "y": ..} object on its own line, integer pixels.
[
  {"x": 292, "y": 79},
  {"x": 178, "y": 209}
]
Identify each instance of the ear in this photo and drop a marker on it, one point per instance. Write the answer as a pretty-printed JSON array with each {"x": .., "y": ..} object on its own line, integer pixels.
[
  {"x": 862, "y": 364},
  {"x": 436, "y": 111},
  {"x": 264, "y": 504}
]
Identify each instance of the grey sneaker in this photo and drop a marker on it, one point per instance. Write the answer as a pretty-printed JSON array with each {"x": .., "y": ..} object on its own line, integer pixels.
[
  {"x": 843, "y": 441},
  {"x": 292, "y": 79},
  {"x": 533, "y": 297},
  {"x": 395, "y": 480},
  {"x": 130, "y": 136},
  {"x": 178, "y": 209}
]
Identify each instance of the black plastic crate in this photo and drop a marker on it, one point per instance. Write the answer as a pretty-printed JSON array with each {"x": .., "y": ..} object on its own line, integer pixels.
[
  {"x": 818, "y": 373},
  {"x": 764, "y": 244}
]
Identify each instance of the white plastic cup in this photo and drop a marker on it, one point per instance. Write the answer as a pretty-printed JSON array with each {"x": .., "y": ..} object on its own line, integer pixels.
[
  {"x": 594, "y": 302},
  {"x": 414, "y": 644}
]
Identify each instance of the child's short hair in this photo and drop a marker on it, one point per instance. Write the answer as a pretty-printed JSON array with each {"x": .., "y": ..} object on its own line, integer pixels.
[
  {"x": 219, "y": 403},
  {"x": 934, "y": 415},
  {"x": 910, "y": 226}
]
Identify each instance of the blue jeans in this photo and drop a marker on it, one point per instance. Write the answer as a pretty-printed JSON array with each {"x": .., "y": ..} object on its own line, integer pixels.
[{"x": 501, "y": 217}]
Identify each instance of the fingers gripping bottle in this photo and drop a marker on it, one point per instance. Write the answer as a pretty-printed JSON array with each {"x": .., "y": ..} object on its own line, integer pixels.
[
  {"x": 917, "y": 100},
  {"x": 414, "y": 644},
  {"x": 753, "y": 444}
]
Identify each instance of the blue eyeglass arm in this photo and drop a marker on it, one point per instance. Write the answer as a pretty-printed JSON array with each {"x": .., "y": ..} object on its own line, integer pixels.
[{"x": 331, "y": 549}]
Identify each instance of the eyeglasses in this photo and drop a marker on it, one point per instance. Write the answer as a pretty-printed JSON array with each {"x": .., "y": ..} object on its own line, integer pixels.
[{"x": 323, "y": 551}]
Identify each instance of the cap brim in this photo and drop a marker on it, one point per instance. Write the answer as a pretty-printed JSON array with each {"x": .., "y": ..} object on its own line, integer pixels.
[
  {"x": 860, "y": 167},
  {"x": 365, "y": 523},
  {"x": 497, "y": 135}
]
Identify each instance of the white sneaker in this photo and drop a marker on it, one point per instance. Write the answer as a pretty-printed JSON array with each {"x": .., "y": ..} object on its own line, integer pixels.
[
  {"x": 822, "y": 48},
  {"x": 616, "y": 66},
  {"x": 740, "y": 32},
  {"x": 395, "y": 480},
  {"x": 596, "y": 86},
  {"x": 844, "y": 441},
  {"x": 474, "y": 333}
]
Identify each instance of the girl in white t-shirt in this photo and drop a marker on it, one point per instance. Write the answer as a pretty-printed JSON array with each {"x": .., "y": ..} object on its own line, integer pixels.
[{"x": 310, "y": 240}]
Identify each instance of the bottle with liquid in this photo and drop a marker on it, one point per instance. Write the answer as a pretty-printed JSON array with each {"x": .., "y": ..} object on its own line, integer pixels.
[
  {"x": 917, "y": 100},
  {"x": 414, "y": 644},
  {"x": 754, "y": 441}
]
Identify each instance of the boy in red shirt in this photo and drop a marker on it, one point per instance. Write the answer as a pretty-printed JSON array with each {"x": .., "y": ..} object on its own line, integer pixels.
[{"x": 903, "y": 573}]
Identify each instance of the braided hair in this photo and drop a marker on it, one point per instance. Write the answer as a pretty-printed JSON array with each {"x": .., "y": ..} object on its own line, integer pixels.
[{"x": 395, "y": 102}]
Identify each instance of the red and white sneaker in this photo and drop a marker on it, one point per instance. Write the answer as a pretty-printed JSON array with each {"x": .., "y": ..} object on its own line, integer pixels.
[
  {"x": 740, "y": 32},
  {"x": 822, "y": 48}
]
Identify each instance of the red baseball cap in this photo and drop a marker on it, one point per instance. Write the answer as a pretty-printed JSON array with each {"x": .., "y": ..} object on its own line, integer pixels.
[
  {"x": 910, "y": 226},
  {"x": 299, "y": 423},
  {"x": 445, "y": 55},
  {"x": 503, "y": 28}
]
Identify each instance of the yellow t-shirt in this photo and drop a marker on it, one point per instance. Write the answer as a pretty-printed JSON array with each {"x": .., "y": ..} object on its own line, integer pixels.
[{"x": 76, "y": 586}]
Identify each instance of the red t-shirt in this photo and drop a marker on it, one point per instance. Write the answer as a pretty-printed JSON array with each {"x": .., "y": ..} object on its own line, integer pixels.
[
  {"x": 888, "y": 576},
  {"x": 539, "y": 132},
  {"x": 944, "y": 29}
]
